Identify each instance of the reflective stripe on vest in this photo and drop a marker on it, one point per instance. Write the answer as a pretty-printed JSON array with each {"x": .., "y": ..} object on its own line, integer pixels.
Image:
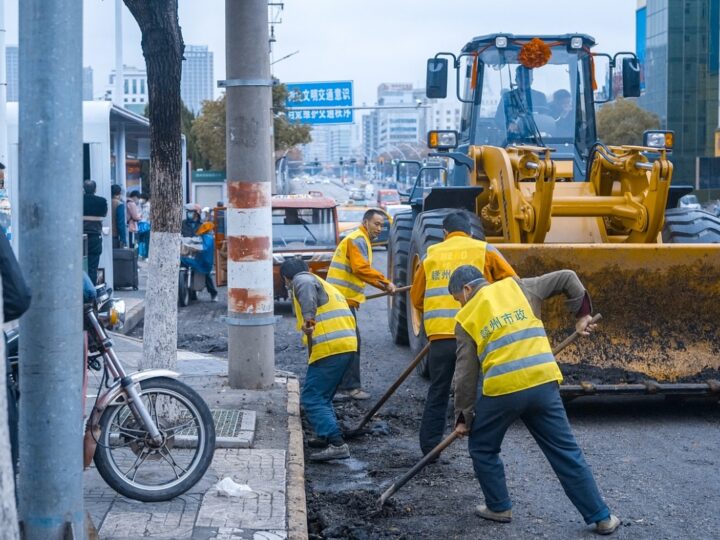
[
  {"x": 335, "y": 331},
  {"x": 340, "y": 273},
  {"x": 512, "y": 347},
  {"x": 439, "y": 307}
]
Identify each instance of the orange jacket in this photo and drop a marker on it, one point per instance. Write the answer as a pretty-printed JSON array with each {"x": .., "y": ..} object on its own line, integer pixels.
[
  {"x": 362, "y": 269},
  {"x": 496, "y": 268}
]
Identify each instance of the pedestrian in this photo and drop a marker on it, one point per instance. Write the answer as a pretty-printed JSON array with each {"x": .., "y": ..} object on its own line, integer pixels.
[
  {"x": 501, "y": 340},
  {"x": 329, "y": 331},
  {"x": 192, "y": 220},
  {"x": 95, "y": 209},
  {"x": 119, "y": 223},
  {"x": 350, "y": 269},
  {"x": 144, "y": 226},
  {"x": 430, "y": 296},
  {"x": 16, "y": 299},
  {"x": 202, "y": 262},
  {"x": 133, "y": 217}
]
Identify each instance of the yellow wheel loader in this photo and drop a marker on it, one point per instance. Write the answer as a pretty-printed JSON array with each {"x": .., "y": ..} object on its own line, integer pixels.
[{"x": 527, "y": 164}]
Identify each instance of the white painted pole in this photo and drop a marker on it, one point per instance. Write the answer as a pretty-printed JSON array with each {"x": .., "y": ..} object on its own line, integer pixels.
[{"x": 119, "y": 91}]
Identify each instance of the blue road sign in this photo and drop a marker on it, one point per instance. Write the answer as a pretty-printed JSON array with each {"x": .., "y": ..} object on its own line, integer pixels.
[{"x": 320, "y": 102}]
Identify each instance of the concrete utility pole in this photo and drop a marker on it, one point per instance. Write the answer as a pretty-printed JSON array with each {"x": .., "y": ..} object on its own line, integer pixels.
[
  {"x": 251, "y": 351},
  {"x": 50, "y": 195}
]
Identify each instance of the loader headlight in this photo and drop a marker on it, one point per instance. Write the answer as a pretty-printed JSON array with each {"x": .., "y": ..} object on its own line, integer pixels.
[
  {"x": 576, "y": 42},
  {"x": 659, "y": 139},
  {"x": 442, "y": 139},
  {"x": 501, "y": 42}
]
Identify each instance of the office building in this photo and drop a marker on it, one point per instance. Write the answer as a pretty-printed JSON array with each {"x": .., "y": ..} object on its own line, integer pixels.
[
  {"x": 197, "y": 83},
  {"x": 135, "y": 89},
  {"x": 679, "y": 46},
  {"x": 12, "y": 70}
]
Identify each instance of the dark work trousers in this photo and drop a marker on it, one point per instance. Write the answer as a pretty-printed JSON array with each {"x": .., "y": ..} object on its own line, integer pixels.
[
  {"x": 210, "y": 285},
  {"x": 351, "y": 380},
  {"x": 441, "y": 365},
  {"x": 542, "y": 411},
  {"x": 321, "y": 383},
  {"x": 94, "y": 247}
]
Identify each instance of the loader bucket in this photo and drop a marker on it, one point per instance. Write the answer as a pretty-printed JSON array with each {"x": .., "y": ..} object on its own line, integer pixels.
[{"x": 660, "y": 305}]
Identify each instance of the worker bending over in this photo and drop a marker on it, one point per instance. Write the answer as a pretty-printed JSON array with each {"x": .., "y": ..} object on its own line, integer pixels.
[
  {"x": 350, "y": 269},
  {"x": 429, "y": 295},
  {"x": 499, "y": 334},
  {"x": 329, "y": 331}
]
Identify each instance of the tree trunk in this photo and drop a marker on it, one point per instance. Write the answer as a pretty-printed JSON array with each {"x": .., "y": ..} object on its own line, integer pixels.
[
  {"x": 163, "y": 47},
  {"x": 8, "y": 511}
]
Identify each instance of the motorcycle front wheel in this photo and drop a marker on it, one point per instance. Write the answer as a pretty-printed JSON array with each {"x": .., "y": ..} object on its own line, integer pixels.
[{"x": 141, "y": 469}]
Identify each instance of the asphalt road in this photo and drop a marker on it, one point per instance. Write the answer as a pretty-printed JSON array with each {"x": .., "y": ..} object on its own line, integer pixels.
[{"x": 656, "y": 461}]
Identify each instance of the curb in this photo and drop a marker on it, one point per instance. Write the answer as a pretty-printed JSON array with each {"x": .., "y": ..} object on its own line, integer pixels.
[
  {"x": 296, "y": 502},
  {"x": 133, "y": 318}
]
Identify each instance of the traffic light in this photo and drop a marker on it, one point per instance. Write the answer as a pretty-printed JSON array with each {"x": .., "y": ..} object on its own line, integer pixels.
[
  {"x": 353, "y": 161},
  {"x": 341, "y": 162}
]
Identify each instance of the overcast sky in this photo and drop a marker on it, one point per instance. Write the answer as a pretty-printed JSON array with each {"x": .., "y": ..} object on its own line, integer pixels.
[{"x": 367, "y": 41}]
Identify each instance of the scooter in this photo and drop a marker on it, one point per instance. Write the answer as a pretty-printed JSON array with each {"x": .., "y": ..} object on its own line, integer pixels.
[{"x": 190, "y": 282}]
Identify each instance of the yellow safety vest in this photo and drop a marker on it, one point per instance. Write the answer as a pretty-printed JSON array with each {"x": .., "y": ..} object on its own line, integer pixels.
[
  {"x": 439, "y": 307},
  {"x": 335, "y": 330},
  {"x": 340, "y": 273},
  {"x": 512, "y": 347}
]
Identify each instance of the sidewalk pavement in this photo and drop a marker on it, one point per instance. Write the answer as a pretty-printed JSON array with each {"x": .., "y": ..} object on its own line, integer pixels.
[{"x": 263, "y": 430}]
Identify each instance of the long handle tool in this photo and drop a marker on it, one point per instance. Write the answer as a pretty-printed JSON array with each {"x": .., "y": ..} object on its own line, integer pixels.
[
  {"x": 447, "y": 441},
  {"x": 390, "y": 391},
  {"x": 385, "y": 293}
]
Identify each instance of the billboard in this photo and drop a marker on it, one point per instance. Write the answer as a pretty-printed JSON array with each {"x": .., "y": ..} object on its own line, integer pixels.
[{"x": 326, "y": 102}]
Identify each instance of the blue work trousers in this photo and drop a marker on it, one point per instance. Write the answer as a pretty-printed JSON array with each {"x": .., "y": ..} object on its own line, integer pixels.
[
  {"x": 542, "y": 411},
  {"x": 321, "y": 382},
  {"x": 351, "y": 380}
]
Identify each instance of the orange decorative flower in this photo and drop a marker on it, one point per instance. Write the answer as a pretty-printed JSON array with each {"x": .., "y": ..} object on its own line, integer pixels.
[{"x": 535, "y": 53}]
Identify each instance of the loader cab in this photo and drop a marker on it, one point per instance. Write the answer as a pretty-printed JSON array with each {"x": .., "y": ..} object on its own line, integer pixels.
[{"x": 507, "y": 103}]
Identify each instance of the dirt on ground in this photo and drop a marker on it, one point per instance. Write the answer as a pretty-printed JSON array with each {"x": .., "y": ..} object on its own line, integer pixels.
[{"x": 655, "y": 460}]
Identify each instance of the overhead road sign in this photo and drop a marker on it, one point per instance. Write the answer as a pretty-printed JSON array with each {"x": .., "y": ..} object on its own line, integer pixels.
[{"x": 327, "y": 102}]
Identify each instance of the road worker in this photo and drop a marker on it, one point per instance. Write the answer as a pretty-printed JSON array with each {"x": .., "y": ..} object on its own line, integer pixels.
[
  {"x": 350, "y": 269},
  {"x": 329, "y": 331},
  {"x": 500, "y": 336},
  {"x": 429, "y": 295}
]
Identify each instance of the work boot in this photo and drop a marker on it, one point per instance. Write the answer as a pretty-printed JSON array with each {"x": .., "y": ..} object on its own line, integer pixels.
[
  {"x": 359, "y": 393},
  {"x": 318, "y": 442},
  {"x": 608, "y": 526},
  {"x": 340, "y": 397},
  {"x": 331, "y": 452},
  {"x": 501, "y": 517}
]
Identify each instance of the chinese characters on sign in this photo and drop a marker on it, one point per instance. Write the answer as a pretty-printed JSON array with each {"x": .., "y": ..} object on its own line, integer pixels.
[{"x": 320, "y": 102}]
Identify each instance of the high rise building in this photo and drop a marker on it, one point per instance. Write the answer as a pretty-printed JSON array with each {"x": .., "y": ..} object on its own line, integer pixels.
[
  {"x": 444, "y": 114},
  {"x": 401, "y": 129},
  {"x": 329, "y": 144},
  {"x": 135, "y": 89},
  {"x": 679, "y": 44},
  {"x": 12, "y": 69},
  {"x": 87, "y": 84},
  {"x": 197, "y": 81}
]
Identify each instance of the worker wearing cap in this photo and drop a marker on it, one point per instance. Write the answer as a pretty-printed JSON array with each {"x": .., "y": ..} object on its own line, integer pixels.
[
  {"x": 324, "y": 317},
  {"x": 350, "y": 269},
  {"x": 430, "y": 296},
  {"x": 500, "y": 336}
]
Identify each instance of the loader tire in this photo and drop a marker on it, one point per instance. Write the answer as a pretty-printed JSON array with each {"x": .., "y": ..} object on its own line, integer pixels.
[
  {"x": 689, "y": 226},
  {"x": 428, "y": 231},
  {"x": 397, "y": 255}
]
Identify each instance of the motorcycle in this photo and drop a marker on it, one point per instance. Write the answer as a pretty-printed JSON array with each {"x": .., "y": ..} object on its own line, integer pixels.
[
  {"x": 151, "y": 436},
  {"x": 190, "y": 282}
]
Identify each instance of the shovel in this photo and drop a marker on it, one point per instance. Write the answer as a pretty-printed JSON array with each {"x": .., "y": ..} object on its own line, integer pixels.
[
  {"x": 385, "y": 293},
  {"x": 390, "y": 391},
  {"x": 447, "y": 441}
]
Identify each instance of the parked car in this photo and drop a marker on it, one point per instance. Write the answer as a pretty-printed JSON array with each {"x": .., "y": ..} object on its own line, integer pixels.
[
  {"x": 386, "y": 197},
  {"x": 303, "y": 226}
]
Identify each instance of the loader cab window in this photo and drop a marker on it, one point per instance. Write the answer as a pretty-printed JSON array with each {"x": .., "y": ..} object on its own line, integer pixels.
[
  {"x": 526, "y": 106},
  {"x": 467, "y": 92}
]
